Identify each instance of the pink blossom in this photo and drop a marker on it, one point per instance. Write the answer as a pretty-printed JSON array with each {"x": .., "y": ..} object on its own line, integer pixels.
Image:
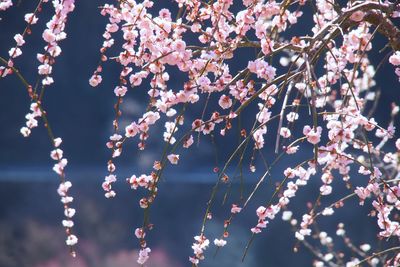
[
  {"x": 261, "y": 212},
  {"x": 395, "y": 58},
  {"x": 131, "y": 130},
  {"x": 49, "y": 36},
  {"x": 219, "y": 242},
  {"x": 188, "y": 142},
  {"x": 59, "y": 167},
  {"x": 47, "y": 81},
  {"x": 67, "y": 223},
  {"x": 140, "y": 233},
  {"x": 225, "y": 102},
  {"x": 362, "y": 193},
  {"x": 262, "y": 224},
  {"x": 292, "y": 116},
  {"x": 313, "y": 135},
  {"x": 67, "y": 199},
  {"x": 56, "y": 154},
  {"x": 285, "y": 132},
  {"x": 110, "y": 194},
  {"x": 120, "y": 91},
  {"x": 155, "y": 47},
  {"x": 36, "y": 112},
  {"x": 194, "y": 260},
  {"x": 173, "y": 158},
  {"x": 262, "y": 69},
  {"x": 30, "y": 18},
  {"x": 95, "y": 80},
  {"x": 143, "y": 255},
  {"x": 71, "y": 240},
  {"x": 25, "y": 131},
  {"x": 255, "y": 230},
  {"x": 115, "y": 137},
  {"x": 235, "y": 209},
  {"x": 63, "y": 188},
  {"x": 15, "y": 52},
  {"x": 325, "y": 190},
  {"x": 69, "y": 212},
  {"x": 19, "y": 39},
  {"x": 45, "y": 69}
]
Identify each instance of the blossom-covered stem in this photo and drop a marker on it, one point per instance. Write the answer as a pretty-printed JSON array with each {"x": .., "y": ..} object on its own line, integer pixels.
[
  {"x": 30, "y": 19},
  {"x": 349, "y": 196},
  {"x": 55, "y": 142},
  {"x": 153, "y": 191},
  {"x": 277, "y": 190}
]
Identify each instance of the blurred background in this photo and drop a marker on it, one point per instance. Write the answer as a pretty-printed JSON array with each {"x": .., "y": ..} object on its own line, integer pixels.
[{"x": 30, "y": 212}]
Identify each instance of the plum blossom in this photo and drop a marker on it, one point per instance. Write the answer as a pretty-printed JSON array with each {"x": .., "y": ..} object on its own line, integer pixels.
[
  {"x": 71, "y": 240},
  {"x": 68, "y": 223},
  {"x": 219, "y": 242},
  {"x": 31, "y": 18},
  {"x": 19, "y": 39},
  {"x": 262, "y": 69},
  {"x": 25, "y": 131},
  {"x": 120, "y": 91},
  {"x": 199, "y": 246},
  {"x": 235, "y": 209},
  {"x": 15, "y": 52},
  {"x": 173, "y": 158},
  {"x": 395, "y": 58},
  {"x": 325, "y": 190},
  {"x": 292, "y": 116},
  {"x": 285, "y": 132},
  {"x": 95, "y": 80},
  {"x": 140, "y": 233},
  {"x": 143, "y": 256},
  {"x": 313, "y": 135},
  {"x": 225, "y": 102}
]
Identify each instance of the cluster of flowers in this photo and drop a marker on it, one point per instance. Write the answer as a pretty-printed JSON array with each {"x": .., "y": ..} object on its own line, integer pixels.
[
  {"x": 16, "y": 51},
  {"x": 57, "y": 155},
  {"x": 341, "y": 131},
  {"x": 53, "y": 34},
  {"x": 338, "y": 98}
]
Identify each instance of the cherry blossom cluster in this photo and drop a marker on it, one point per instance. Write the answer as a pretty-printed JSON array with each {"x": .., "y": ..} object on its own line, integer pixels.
[
  {"x": 303, "y": 175},
  {"x": 52, "y": 35},
  {"x": 200, "y": 245},
  {"x": 66, "y": 199},
  {"x": 337, "y": 100},
  {"x": 31, "y": 121},
  {"x": 325, "y": 113},
  {"x": 16, "y": 51}
]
